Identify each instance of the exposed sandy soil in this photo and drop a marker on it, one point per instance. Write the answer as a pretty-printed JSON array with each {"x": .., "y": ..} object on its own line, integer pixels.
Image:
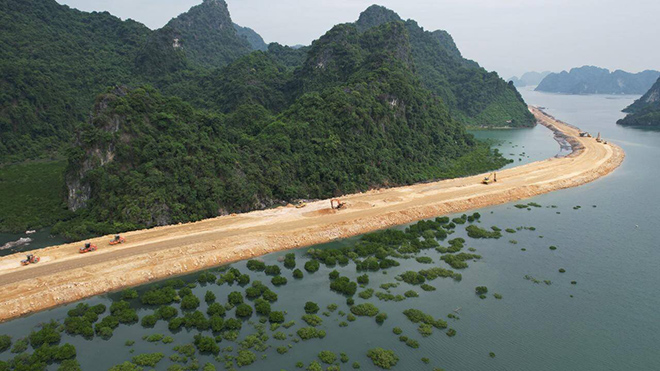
[{"x": 64, "y": 275}]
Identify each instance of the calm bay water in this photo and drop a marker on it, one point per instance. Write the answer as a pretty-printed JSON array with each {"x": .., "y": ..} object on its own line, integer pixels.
[{"x": 611, "y": 322}]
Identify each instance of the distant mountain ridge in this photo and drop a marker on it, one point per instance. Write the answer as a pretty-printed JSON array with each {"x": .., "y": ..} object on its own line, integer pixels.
[
  {"x": 645, "y": 111},
  {"x": 531, "y": 78},
  {"x": 255, "y": 40},
  {"x": 595, "y": 80}
]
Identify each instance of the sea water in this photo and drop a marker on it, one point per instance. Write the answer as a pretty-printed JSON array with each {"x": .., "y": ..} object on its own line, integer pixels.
[{"x": 609, "y": 245}]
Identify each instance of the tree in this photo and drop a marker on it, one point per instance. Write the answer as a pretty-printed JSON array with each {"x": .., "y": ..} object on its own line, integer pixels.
[
  {"x": 270, "y": 296},
  {"x": 149, "y": 320},
  {"x": 272, "y": 270},
  {"x": 276, "y": 317},
  {"x": 312, "y": 266},
  {"x": 243, "y": 310},
  {"x": 365, "y": 309},
  {"x": 189, "y": 302},
  {"x": 215, "y": 309},
  {"x": 5, "y": 343},
  {"x": 206, "y": 344},
  {"x": 327, "y": 357},
  {"x": 209, "y": 297},
  {"x": 245, "y": 357},
  {"x": 148, "y": 359},
  {"x": 262, "y": 307},
  {"x": 382, "y": 358},
  {"x": 311, "y": 307},
  {"x": 297, "y": 273},
  {"x": 256, "y": 265},
  {"x": 278, "y": 280},
  {"x": 235, "y": 298}
]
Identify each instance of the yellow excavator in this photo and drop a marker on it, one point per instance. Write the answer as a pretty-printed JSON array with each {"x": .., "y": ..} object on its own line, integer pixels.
[
  {"x": 490, "y": 179},
  {"x": 339, "y": 203}
]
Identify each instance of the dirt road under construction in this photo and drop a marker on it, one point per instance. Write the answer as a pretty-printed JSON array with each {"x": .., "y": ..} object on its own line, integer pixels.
[{"x": 63, "y": 275}]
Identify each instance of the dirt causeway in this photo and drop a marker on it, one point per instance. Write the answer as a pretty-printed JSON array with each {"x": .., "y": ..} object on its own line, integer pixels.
[{"x": 64, "y": 275}]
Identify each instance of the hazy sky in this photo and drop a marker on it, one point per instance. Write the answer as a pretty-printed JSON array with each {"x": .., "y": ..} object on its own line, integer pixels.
[{"x": 508, "y": 36}]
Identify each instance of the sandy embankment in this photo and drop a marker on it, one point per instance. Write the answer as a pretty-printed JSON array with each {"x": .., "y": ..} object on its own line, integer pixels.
[{"x": 65, "y": 276}]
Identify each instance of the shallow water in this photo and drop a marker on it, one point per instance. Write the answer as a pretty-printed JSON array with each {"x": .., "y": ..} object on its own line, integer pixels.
[
  {"x": 610, "y": 250},
  {"x": 40, "y": 239}
]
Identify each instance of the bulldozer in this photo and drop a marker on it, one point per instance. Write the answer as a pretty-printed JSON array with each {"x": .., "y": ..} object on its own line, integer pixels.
[
  {"x": 339, "y": 204},
  {"x": 117, "y": 240},
  {"x": 490, "y": 179},
  {"x": 87, "y": 248},
  {"x": 30, "y": 259}
]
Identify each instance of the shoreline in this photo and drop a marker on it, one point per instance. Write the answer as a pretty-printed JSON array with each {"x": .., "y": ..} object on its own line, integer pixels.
[{"x": 64, "y": 276}]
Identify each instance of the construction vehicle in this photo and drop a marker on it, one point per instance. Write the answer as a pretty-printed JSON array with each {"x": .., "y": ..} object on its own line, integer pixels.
[
  {"x": 87, "y": 248},
  {"x": 585, "y": 134},
  {"x": 598, "y": 138},
  {"x": 117, "y": 240},
  {"x": 300, "y": 204},
  {"x": 30, "y": 259},
  {"x": 339, "y": 203},
  {"x": 490, "y": 178}
]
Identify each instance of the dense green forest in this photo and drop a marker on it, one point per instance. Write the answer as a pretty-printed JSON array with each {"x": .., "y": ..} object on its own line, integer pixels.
[
  {"x": 474, "y": 96},
  {"x": 171, "y": 162},
  {"x": 55, "y": 60},
  {"x": 645, "y": 111},
  {"x": 203, "y": 119}
]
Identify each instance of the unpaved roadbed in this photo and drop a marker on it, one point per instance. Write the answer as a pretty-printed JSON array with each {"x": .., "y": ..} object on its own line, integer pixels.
[{"x": 64, "y": 275}]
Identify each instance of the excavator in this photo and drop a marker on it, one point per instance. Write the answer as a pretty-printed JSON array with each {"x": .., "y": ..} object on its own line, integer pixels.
[
  {"x": 598, "y": 138},
  {"x": 87, "y": 248},
  {"x": 339, "y": 204},
  {"x": 301, "y": 204},
  {"x": 117, "y": 240},
  {"x": 488, "y": 179},
  {"x": 30, "y": 259}
]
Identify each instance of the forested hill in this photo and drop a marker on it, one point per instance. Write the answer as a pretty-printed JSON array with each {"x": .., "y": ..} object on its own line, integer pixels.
[
  {"x": 354, "y": 116},
  {"x": 474, "y": 96},
  {"x": 205, "y": 36},
  {"x": 191, "y": 122},
  {"x": 646, "y": 110},
  {"x": 55, "y": 60},
  {"x": 595, "y": 80}
]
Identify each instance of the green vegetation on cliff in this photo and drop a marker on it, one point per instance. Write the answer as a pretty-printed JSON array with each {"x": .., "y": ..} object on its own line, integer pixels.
[
  {"x": 209, "y": 126},
  {"x": 165, "y": 161},
  {"x": 646, "y": 110}
]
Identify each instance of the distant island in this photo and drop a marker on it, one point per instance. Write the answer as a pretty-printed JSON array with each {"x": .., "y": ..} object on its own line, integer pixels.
[
  {"x": 531, "y": 78},
  {"x": 595, "y": 80},
  {"x": 645, "y": 111}
]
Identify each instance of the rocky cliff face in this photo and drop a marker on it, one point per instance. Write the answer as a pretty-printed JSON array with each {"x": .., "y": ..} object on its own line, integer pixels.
[{"x": 104, "y": 122}]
